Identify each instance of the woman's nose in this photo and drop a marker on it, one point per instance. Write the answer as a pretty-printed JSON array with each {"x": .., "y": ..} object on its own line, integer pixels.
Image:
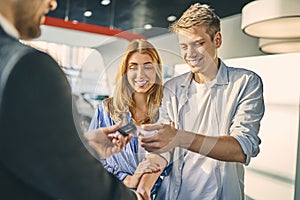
[{"x": 140, "y": 72}]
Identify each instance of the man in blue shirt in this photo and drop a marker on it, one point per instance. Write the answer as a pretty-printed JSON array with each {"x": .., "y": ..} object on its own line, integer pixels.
[{"x": 215, "y": 111}]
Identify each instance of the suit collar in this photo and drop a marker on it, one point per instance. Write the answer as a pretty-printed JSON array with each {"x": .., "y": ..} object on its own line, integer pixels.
[{"x": 8, "y": 27}]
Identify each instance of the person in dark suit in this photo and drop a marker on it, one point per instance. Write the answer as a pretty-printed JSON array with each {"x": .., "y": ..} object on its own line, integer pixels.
[{"x": 42, "y": 155}]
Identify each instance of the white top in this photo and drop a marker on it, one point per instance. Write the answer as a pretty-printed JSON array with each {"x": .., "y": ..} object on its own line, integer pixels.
[
  {"x": 8, "y": 27},
  {"x": 199, "y": 178}
]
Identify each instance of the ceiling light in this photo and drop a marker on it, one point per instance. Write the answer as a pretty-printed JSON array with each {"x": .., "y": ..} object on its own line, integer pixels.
[
  {"x": 88, "y": 13},
  {"x": 105, "y": 2},
  {"x": 279, "y": 45},
  {"x": 171, "y": 18},
  {"x": 147, "y": 26},
  {"x": 272, "y": 18}
]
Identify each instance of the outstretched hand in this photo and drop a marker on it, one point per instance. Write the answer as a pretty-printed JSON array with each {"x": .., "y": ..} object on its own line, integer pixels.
[{"x": 106, "y": 140}]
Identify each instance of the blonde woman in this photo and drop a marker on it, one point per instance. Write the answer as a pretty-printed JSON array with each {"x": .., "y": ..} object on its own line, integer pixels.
[{"x": 137, "y": 98}]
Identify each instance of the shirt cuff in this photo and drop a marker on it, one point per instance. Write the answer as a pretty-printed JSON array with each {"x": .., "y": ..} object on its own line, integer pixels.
[{"x": 245, "y": 147}]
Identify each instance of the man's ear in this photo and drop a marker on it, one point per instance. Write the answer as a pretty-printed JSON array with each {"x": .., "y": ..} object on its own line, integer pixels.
[{"x": 218, "y": 39}]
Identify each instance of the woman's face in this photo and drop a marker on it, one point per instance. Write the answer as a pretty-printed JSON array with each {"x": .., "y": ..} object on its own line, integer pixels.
[{"x": 141, "y": 72}]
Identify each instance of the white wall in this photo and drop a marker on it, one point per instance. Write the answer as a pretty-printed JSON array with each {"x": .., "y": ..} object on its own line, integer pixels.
[
  {"x": 271, "y": 175},
  {"x": 236, "y": 43}
]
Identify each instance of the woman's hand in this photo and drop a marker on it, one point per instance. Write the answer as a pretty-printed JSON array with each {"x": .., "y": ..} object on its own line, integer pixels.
[
  {"x": 147, "y": 181},
  {"x": 146, "y": 166}
]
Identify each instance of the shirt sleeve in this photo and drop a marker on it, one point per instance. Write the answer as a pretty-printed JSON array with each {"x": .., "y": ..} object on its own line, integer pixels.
[
  {"x": 113, "y": 168},
  {"x": 166, "y": 115},
  {"x": 166, "y": 110},
  {"x": 246, "y": 122},
  {"x": 94, "y": 122},
  {"x": 102, "y": 119}
]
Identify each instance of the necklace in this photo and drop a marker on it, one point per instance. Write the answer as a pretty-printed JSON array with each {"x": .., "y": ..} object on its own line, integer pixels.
[{"x": 142, "y": 121}]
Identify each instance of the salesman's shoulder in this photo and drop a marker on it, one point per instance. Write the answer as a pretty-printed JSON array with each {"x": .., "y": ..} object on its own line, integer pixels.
[
  {"x": 9, "y": 44},
  {"x": 11, "y": 48},
  {"x": 17, "y": 58},
  {"x": 12, "y": 51}
]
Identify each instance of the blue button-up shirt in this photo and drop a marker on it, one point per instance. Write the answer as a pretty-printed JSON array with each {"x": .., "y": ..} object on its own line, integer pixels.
[
  {"x": 236, "y": 100},
  {"x": 123, "y": 163}
]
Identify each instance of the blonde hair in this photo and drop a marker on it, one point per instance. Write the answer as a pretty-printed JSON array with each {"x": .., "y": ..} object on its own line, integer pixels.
[
  {"x": 122, "y": 101},
  {"x": 198, "y": 15}
]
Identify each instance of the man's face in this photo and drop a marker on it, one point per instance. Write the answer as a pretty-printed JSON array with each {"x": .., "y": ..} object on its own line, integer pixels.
[
  {"x": 30, "y": 14},
  {"x": 197, "y": 48}
]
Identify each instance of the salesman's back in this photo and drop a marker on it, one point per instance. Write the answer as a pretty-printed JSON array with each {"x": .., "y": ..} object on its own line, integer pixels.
[{"x": 41, "y": 153}]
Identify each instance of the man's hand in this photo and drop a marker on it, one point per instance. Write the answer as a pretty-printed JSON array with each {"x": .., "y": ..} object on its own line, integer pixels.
[
  {"x": 164, "y": 140},
  {"x": 106, "y": 143}
]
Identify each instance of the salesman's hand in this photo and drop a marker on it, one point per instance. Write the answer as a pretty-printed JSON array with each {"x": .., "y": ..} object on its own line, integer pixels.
[{"x": 106, "y": 143}]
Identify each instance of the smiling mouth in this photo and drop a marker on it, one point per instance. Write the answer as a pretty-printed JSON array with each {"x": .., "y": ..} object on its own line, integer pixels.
[
  {"x": 195, "y": 61},
  {"x": 141, "y": 83}
]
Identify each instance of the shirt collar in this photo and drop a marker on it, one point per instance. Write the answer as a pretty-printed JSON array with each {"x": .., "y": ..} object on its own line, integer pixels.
[
  {"x": 221, "y": 78},
  {"x": 8, "y": 27},
  {"x": 187, "y": 79}
]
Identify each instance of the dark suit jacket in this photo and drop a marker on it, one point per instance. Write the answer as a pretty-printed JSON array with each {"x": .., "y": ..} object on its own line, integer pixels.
[{"x": 41, "y": 153}]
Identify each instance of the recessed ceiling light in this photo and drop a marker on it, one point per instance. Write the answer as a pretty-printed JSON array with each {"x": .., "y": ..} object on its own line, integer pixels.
[
  {"x": 171, "y": 18},
  {"x": 88, "y": 13},
  {"x": 105, "y": 2},
  {"x": 148, "y": 26}
]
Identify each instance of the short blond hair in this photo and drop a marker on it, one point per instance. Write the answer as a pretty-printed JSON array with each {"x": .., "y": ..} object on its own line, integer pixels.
[{"x": 198, "y": 15}]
